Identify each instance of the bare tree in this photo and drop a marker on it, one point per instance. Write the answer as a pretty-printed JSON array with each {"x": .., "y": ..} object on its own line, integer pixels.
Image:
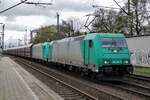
[
  {"x": 105, "y": 22},
  {"x": 138, "y": 16},
  {"x": 71, "y": 26}
]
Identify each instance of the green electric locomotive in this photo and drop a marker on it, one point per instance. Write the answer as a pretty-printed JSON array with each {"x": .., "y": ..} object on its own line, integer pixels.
[{"x": 98, "y": 53}]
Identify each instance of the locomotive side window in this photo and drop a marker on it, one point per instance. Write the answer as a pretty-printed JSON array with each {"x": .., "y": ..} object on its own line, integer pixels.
[{"x": 90, "y": 43}]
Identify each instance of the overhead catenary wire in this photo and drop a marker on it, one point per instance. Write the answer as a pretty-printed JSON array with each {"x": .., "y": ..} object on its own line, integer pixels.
[
  {"x": 38, "y": 3},
  {"x": 104, "y": 7},
  {"x": 118, "y": 3},
  {"x": 121, "y": 7},
  {"x": 12, "y": 6},
  {"x": 25, "y": 2}
]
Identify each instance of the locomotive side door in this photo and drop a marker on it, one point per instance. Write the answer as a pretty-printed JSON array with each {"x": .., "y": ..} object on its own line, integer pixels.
[{"x": 88, "y": 51}]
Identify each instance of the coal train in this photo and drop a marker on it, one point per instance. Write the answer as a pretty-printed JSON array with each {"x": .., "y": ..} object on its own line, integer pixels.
[{"x": 98, "y": 54}]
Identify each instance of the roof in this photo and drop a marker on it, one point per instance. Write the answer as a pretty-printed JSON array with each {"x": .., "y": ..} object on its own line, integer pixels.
[
  {"x": 36, "y": 45},
  {"x": 94, "y": 35},
  {"x": 24, "y": 46}
]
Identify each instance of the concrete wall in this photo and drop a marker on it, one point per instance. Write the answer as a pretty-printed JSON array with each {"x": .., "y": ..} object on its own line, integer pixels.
[{"x": 140, "y": 48}]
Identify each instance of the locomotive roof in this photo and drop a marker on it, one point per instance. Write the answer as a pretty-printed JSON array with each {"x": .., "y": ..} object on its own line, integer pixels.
[
  {"x": 87, "y": 37},
  {"x": 94, "y": 35},
  {"x": 71, "y": 39}
]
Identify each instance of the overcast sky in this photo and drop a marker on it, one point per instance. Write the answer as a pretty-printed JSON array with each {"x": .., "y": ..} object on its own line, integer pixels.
[{"x": 31, "y": 16}]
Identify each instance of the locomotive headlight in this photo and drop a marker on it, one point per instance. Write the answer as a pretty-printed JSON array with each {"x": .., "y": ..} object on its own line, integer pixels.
[
  {"x": 106, "y": 62},
  {"x": 126, "y": 62}
]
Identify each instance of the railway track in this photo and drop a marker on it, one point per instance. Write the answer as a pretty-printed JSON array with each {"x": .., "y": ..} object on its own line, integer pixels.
[
  {"x": 132, "y": 88},
  {"x": 139, "y": 77},
  {"x": 139, "y": 80},
  {"x": 65, "y": 90},
  {"x": 69, "y": 92},
  {"x": 124, "y": 90},
  {"x": 136, "y": 84}
]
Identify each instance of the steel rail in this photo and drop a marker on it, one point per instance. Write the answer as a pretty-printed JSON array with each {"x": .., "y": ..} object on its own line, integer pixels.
[
  {"x": 64, "y": 83},
  {"x": 140, "y": 93},
  {"x": 139, "y": 77}
]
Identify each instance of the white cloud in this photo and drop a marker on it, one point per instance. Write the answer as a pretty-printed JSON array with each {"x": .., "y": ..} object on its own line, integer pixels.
[{"x": 30, "y": 21}]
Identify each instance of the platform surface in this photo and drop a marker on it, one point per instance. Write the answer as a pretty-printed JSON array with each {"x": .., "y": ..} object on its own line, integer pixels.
[{"x": 18, "y": 84}]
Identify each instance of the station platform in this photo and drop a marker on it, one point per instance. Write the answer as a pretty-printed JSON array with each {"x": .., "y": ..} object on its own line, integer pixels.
[{"x": 18, "y": 84}]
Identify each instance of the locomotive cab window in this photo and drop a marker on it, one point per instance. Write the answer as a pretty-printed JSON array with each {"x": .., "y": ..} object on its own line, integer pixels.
[
  {"x": 113, "y": 42},
  {"x": 90, "y": 43}
]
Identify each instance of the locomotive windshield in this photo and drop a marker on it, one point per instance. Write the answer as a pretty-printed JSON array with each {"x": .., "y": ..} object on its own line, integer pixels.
[{"x": 113, "y": 42}]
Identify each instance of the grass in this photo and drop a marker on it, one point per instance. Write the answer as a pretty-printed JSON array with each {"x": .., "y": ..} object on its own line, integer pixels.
[{"x": 141, "y": 69}]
